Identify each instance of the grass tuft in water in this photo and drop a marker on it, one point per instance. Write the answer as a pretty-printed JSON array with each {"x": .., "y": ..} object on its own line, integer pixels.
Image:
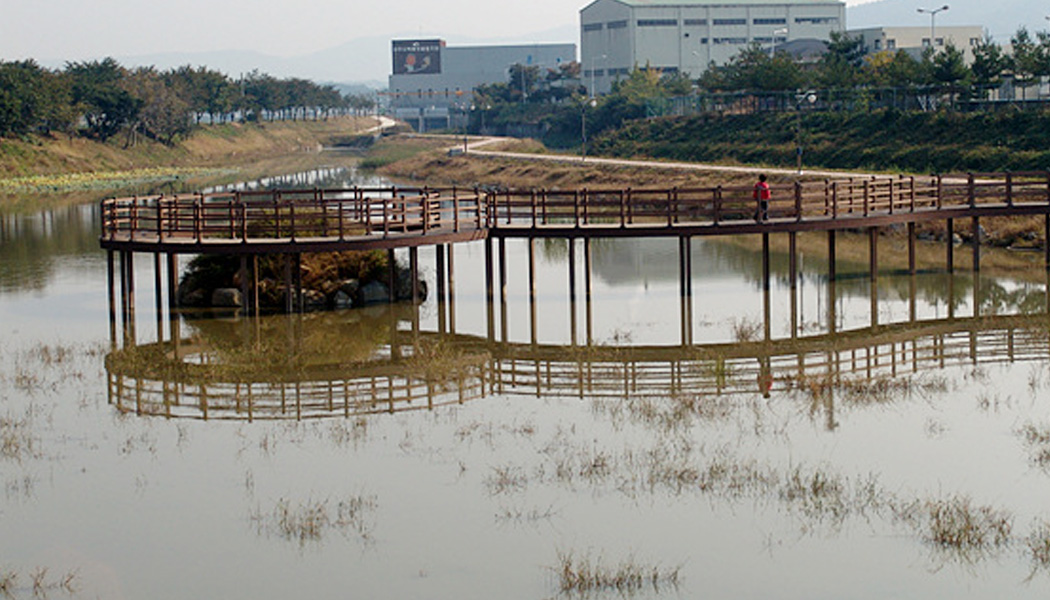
[{"x": 584, "y": 575}]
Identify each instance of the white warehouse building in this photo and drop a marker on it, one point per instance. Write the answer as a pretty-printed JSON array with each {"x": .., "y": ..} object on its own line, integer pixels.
[{"x": 685, "y": 36}]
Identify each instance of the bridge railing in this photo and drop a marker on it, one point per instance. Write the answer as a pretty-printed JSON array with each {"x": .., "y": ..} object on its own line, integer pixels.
[
  {"x": 291, "y": 214},
  {"x": 850, "y": 197}
]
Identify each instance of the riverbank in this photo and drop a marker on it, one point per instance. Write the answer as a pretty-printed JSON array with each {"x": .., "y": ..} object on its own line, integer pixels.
[{"x": 57, "y": 163}]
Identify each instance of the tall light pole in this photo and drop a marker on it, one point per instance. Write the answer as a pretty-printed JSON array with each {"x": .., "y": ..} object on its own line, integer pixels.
[
  {"x": 933, "y": 27},
  {"x": 773, "y": 48}
]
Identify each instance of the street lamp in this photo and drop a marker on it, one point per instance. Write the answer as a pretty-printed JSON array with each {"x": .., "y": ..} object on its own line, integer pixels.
[
  {"x": 808, "y": 96},
  {"x": 583, "y": 125},
  {"x": 933, "y": 14},
  {"x": 773, "y": 48}
]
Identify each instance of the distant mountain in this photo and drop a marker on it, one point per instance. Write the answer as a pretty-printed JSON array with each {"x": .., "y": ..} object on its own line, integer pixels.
[
  {"x": 363, "y": 61},
  {"x": 1000, "y": 19}
]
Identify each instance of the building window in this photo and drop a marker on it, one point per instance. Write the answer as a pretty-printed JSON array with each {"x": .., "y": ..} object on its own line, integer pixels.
[
  {"x": 769, "y": 21},
  {"x": 939, "y": 41},
  {"x": 925, "y": 42},
  {"x": 975, "y": 41},
  {"x": 616, "y": 24},
  {"x": 818, "y": 20},
  {"x": 592, "y": 26},
  {"x": 729, "y": 40},
  {"x": 878, "y": 45},
  {"x": 730, "y": 21},
  {"x": 695, "y": 22},
  {"x": 658, "y": 22},
  {"x": 891, "y": 44}
]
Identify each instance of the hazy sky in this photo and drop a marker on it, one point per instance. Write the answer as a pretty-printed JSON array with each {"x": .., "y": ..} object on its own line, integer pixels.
[
  {"x": 78, "y": 29},
  {"x": 83, "y": 29}
]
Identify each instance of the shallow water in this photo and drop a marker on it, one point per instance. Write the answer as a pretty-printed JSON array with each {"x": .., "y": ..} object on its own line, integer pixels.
[{"x": 281, "y": 457}]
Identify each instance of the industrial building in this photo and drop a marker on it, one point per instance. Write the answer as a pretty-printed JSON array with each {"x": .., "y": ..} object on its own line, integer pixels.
[
  {"x": 686, "y": 36},
  {"x": 433, "y": 83},
  {"x": 915, "y": 40}
]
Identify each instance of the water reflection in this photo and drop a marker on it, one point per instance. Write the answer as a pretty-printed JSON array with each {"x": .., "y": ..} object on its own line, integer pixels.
[{"x": 376, "y": 360}]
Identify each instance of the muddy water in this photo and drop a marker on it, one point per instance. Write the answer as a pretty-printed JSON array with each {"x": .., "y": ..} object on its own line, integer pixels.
[{"x": 366, "y": 453}]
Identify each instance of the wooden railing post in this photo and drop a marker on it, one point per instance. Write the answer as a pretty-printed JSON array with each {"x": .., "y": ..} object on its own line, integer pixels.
[
  {"x": 532, "y": 205},
  {"x": 1009, "y": 189},
  {"x": 971, "y": 192},
  {"x": 798, "y": 201},
  {"x": 197, "y": 216},
  {"x": 134, "y": 217},
  {"x": 244, "y": 222},
  {"x": 717, "y": 208},
  {"x": 911, "y": 191},
  {"x": 939, "y": 191},
  {"x": 866, "y": 199},
  {"x": 623, "y": 210}
]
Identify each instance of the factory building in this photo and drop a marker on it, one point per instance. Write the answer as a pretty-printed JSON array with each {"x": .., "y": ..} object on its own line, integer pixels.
[
  {"x": 433, "y": 83},
  {"x": 686, "y": 36}
]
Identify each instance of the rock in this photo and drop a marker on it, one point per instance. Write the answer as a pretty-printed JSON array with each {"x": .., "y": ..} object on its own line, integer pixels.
[
  {"x": 374, "y": 293},
  {"x": 227, "y": 298},
  {"x": 341, "y": 299},
  {"x": 314, "y": 300},
  {"x": 350, "y": 287}
]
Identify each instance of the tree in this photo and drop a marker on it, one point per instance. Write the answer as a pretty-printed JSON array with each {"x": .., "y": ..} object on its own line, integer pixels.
[
  {"x": 841, "y": 63},
  {"x": 949, "y": 67},
  {"x": 162, "y": 113},
  {"x": 95, "y": 89},
  {"x": 989, "y": 62}
]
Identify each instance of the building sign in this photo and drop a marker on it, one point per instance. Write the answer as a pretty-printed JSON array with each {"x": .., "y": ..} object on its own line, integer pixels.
[{"x": 417, "y": 57}]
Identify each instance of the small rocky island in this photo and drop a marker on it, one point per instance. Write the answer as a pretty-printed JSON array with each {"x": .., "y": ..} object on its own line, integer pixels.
[{"x": 329, "y": 280}]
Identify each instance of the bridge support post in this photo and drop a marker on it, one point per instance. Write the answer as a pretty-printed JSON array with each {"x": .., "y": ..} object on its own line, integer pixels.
[
  {"x": 111, "y": 288},
  {"x": 391, "y": 275},
  {"x": 127, "y": 263},
  {"x": 793, "y": 276},
  {"x": 572, "y": 291},
  {"x": 832, "y": 317},
  {"x": 286, "y": 265},
  {"x": 439, "y": 259},
  {"x": 298, "y": 274},
  {"x": 911, "y": 248},
  {"x": 873, "y": 266},
  {"x": 173, "y": 300},
  {"x": 158, "y": 295},
  {"x": 588, "y": 284},
  {"x": 489, "y": 293},
  {"x": 950, "y": 249},
  {"x": 503, "y": 289},
  {"x": 766, "y": 303},
  {"x": 532, "y": 291},
  {"x": 413, "y": 273},
  {"x": 245, "y": 286},
  {"x": 451, "y": 290},
  {"x": 975, "y": 232}
]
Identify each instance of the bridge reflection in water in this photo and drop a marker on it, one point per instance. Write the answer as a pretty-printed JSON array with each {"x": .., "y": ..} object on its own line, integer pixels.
[{"x": 378, "y": 361}]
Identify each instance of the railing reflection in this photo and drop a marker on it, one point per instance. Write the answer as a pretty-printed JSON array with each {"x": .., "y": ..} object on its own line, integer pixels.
[{"x": 425, "y": 370}]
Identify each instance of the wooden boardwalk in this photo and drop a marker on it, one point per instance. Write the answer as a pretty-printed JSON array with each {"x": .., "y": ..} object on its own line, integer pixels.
[{"x": 292, "y": 221}]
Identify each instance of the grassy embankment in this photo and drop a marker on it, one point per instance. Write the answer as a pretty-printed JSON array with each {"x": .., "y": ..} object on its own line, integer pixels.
[{"x": 64, "y": 165}]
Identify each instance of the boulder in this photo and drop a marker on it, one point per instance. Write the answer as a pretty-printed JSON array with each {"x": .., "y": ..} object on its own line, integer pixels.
[
  {"x": 374, "y": 293},
  {"x": 341, "y": 299}
]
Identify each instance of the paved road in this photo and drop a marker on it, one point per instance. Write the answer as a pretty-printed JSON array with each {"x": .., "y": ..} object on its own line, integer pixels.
[{"x": 476, "y": 145}]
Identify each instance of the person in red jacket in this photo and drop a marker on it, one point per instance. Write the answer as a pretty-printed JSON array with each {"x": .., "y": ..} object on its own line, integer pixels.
[{"x": 762, "y": 196}]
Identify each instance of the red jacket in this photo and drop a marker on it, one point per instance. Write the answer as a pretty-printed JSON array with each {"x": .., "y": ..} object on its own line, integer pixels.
[{"x": 762, "y": 191}]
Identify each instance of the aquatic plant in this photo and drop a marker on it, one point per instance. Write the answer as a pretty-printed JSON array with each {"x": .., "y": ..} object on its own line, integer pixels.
[{"x": 584, "y": 575}]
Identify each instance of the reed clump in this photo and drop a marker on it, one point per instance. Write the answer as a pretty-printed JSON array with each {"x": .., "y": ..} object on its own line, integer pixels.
[
  {"x": 307, "y": 522},
  {"x": 1037, "y": 440},
  {"x": 583, "y": 575}
]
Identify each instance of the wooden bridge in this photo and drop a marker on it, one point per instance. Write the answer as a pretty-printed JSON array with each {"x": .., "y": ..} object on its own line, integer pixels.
[{"x": 291, "y": 222}]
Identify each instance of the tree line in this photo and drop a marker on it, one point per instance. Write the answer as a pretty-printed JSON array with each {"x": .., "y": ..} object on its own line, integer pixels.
[
  {"x": 101, "y": 99},
  {"x": 562, "y": 119}
]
